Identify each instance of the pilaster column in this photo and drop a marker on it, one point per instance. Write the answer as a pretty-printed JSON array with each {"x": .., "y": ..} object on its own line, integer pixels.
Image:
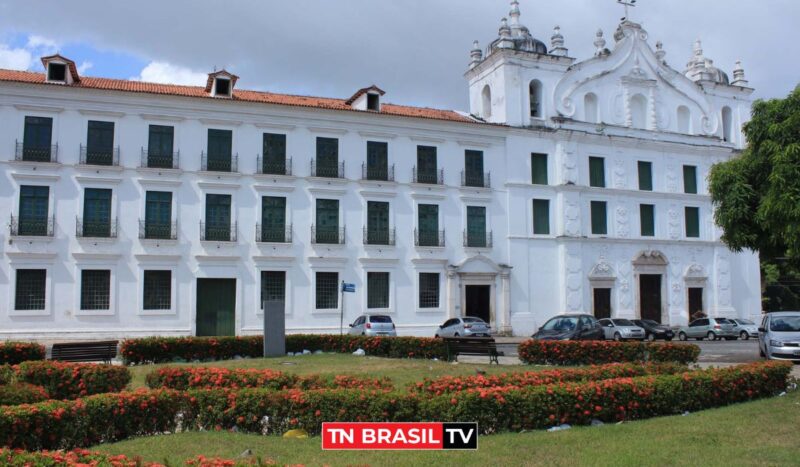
[
  {"x": 452, "y": 291},
  {"x": 505, "y": 301}
]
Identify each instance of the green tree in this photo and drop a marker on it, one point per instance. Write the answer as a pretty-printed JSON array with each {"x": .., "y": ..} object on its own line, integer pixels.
[{"x": 757, "y": 194}]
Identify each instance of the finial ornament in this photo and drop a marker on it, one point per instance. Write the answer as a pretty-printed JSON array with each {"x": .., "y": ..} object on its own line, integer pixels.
[
  {"x": 738, "y": 75},
  {"x": 557, "y": 43},
  {"x": 660, "y": 52},
  {"x": 628, "y": 4},
  {"x": 600, "y": 44},
  {"x": 476, "y": 55}
]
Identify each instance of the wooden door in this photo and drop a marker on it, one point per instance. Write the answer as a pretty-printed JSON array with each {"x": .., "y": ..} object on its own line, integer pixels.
[
  {"x": 216, "y": 307},
  {"x": 650, "y": 297},
  {"x": 602, "y": 303}
]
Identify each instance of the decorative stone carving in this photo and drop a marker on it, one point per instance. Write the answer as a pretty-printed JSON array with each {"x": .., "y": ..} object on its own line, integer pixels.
[
  {"x": 620, "y": 180},
  {"x": 723, "y": 267},
  {"x": 602, "y": 270},
  {"x": 574, "y": 283},
  {"x": 672, "y": 178},
  {"x": 572, "y": 226},
  {"x": 674, "y": 228},
  {"x": 623, "y": 222},
  {"x": 650, "y": 258},
  {"x": 569, "y": 166}
]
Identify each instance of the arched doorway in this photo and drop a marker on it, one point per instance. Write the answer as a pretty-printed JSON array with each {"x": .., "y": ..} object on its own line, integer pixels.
[{"x": 650, "y": 272}]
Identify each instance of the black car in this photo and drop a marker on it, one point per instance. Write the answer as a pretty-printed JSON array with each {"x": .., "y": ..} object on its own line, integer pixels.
[
  {"x": 570, "y": 328},
  {"x": 654, "y": 330}
]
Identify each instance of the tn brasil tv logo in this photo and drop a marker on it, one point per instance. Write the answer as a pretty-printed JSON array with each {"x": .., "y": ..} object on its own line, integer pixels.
[{"x": 399, "y": 436}]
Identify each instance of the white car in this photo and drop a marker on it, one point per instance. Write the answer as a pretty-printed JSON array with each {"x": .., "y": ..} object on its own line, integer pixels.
[
  {"x": 373, "y": 325},
  {"x": 464, "y": 327},
  {"x": 745, "y": 328},
  {"x": 621, "y": 329}
]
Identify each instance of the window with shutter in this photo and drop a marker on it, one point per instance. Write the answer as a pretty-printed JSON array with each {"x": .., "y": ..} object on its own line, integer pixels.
[
  {"x": 426, "y": 165},
  {"x": 97, "y": 212},
  {"x": 274, "y": 154},
  {"x": 690, "y": 179},
  {"x": 428, "y": 224},
  {"x": 157, "y": 290},
  {"x": 100, "y": 143},
  {"x": 377, "y": 161},
  {"x": 377, "y": 290},
  {"x": 692, "y": 217},
  {"x": 476, "y": 226},
  {"x": 327, "y": 224},
  {"x": 327, "y": 157},
  {"x": 37, "y": 139},
  {"x": 160, "y": 146},
  {"x": 541, "y": 217},
  {"x": 33, "y": 210},
  {"x": 473, "y": 168},
  {"x": 599, "y": 220},
  {"x": 377, "y": 223},
  {"x": 220, "y": 150},
  {"x": 218, "y": 218},
  {"x": 647, "y": 218},
  {"x": 428, "y": 290},
  {"x": 539, "y": 169},
  {"x": 273, "y": 219},
  {"x": 597, "y": 172},
  {"x": 645, "y": 176},
  {"x": 158, "y": 214}
]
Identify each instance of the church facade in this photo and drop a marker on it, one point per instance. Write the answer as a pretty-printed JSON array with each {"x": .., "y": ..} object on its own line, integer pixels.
[{"x": 139, "y": 209}]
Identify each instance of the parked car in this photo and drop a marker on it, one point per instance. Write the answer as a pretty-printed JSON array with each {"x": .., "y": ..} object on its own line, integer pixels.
[
  {"x": 570, "y": 327},
  {"x": 464, "y": 327},
  {"x": 779, "y": 336},
  {"x": 621, "y": 329},
  {"x": 744, "y": 328},
  {"x": 373, "y": 325},
  {"x": 654, "y": 330},
  {"x": 709, "y": 328}
]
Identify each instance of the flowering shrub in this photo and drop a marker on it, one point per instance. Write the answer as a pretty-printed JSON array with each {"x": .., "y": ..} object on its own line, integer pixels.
[
  {"x": 71, "y": 380},
  {"x": 21, "y": 393},
  {"x": 597, "y": 352},
  {"x": 183, "y": 378},
  {"x": 449, "y": 384},
  {"x": 169, "y": 349},
  {"x": 75, "y": 458},
  {"x": 12, "y": 353},
  {"x": 6, "y": 374}
]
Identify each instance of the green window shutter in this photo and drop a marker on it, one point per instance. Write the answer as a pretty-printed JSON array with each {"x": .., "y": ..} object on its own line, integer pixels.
[
  {"x": 377, "y": 290},
  {"x": 160, "y": 140},
  {"x": 31, "y": 289},
  {"x": 378, "y": 222},
  {"x": 220, "y": 150},
  {"x": 157, "y": 290},
  {"x": 690, "y": 179},
  {"x": 428, "y": 290},
  {"x": 33, "y": 210},
  {"x": 428, "y": 224},
  {"x": 327, "y": 292},
  {"x": 599, "y": 218},
  {"x": 37, "y": 139},
  {"x": 100, "y": 143},
  {"x": 274, "y": 152},
  {"x": 645, "y": 176},
  {"x": 476, "y": 226},
  {"x": 273, "y": 219},
  {"x": 95, "y": 289},
  {"x": 541, "y": 217},
  {"x": 692, "y": 216},
  {"x": 647, "y": 217},
  {"x": 597, "y": 172},
  {"x": 327, "y": 224},
  {"x": 426, "y": 165},
  {"x": 97, "y": 212},
  {"x": 218, "y": 217},
  {"x": 539, "y": 169},
  {"x": 327, "y": 157},
  {"x": 158, "y": 214},
  {"x": 473, "y": 168},
  {"x": 377, "y": 161}
]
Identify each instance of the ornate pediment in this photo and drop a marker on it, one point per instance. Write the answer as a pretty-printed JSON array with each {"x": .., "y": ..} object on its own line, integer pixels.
[
  {"x": 650, "y": 258},
  {"x": 602, "y": 271},
  {"x": 695, "y": 272}
]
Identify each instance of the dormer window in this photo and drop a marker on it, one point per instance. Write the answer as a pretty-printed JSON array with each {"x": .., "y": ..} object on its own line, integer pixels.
[
  {"x": 222, "y": 87},
  {"x": 374, "y": 102},
  {"x": 57, "y": 72},
  {"x": 221, "y": 83},
  {"x": 60, "y": 70},
  {"x": 366, "y": 99}
]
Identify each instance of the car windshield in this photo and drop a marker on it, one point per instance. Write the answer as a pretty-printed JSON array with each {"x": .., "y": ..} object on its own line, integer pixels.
[
  {"x": 650, "y": 322},
  {"x": 561, "y": 324},
  {"x": 380, "y": 319},
  {"x": 785, "y": 324},
  {"x": 474, "y": 320},
  {"x": 623, "y": 322},
  {"x": 745, "y": 321},
  {"x": 723, "y": 321}
]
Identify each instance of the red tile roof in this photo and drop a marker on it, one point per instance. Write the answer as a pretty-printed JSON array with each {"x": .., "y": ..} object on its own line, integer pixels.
[{"x": 238, "y": 95}]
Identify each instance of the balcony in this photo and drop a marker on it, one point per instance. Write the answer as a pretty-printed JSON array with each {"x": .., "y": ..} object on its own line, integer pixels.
[
  {"x": 271, "y": 234},
  {"x": 218, "y": 232},
  {"x": 274, "y": 167},
  {"x": 433, "y": 238},
  {"x": 91, "y": 156},
  {"x": 96, "y": 229},
  {"x": 382, "y": 174},
  {"x": 156, "y": 160},
  {"x": 327, "y": 170},
  {"x": 379, "y": 237},
  {"x": 35, "y": 153},
  {"x": 219, "y": 163},
  {"x": 477, "y": 180},
  {"x": 327, "y": 235},
  {"x": 477, "y": 239},
  {"x": 36, "y": 227},
  {"x": 428, "y": 177},
  {"x": 158, "y": 230}
]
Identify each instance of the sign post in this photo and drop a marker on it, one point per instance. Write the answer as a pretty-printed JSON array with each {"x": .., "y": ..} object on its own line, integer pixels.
[{"x": 349, "y": 288}]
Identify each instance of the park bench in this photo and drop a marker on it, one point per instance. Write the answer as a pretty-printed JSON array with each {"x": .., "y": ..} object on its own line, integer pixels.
[
  {"x": 472, "y": 346},
  {"x": 102, "y": 351}
]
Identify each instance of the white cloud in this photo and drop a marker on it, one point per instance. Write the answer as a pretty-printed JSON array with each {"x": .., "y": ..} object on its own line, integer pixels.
[
  {"x": 15, "y": 59},
  {"x": 84, "y": 66},
  {"x": 27, "y": 57},
  {"x": 42, "y": 44},
  {"x": 163, "y": 72}
]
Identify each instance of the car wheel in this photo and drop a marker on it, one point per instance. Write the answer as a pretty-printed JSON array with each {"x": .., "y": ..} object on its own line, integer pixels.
[
  {"x": 711, "y": 336},
  {"x": 668, "y": 339},
  {"x": 436, "y": 336},
  {"x": 455, "y": 335},
  {"x": 617, "y": 337},
  {"x": 363, "y": 334},
  {"x": 744, "y": 336},
  {"x": 682, "y": 336},
  {"x": 761, "y": 352},
  {"x": 651, "y": 337}
]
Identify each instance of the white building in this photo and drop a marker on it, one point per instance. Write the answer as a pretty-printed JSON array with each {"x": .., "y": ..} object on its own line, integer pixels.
[{"x": 146, "y": 209}]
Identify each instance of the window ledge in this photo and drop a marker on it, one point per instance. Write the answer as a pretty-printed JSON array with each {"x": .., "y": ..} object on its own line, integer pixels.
[
  {"x": 379, "y": 183},
  {"x": 32, "y": 238},
  {"x": 35, "y": 164},
  {"x": 160, "y": 171},
  {"x": 218, "y": 244},
  {"x": 274, "y": 244},
  {"x": 219, "y": 175},
  {"x": 275, "y": 177},
  {"x": 94, "y": 313},
  {"x": 169, "y": 312},
  {"x": 21, "y": 313},
  {"x": 475, "y": 249},
  {"x": 430, "y": 248},
  {"x": 99, "y": 168},
  {"x": 429, "y": 310},
  {"x": 96, "y": 240},
  {"x": 328, "y": 311},
  {"x": 158, "y": 241},
  {"x": 374, "y": 247}
]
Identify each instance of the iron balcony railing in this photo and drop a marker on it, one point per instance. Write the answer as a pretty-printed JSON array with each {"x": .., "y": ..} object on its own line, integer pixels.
[
  {"x": 270, "y": 234},
  {"x": 216, "y": 232},
  {"x": 273, "y": 167},
  {"x": 35, "y": 153},
  {"x": 479, "y": 180},
  {"x": 429, "y": 238},
  {"x": 379, "y": 236},
  {"x": 327, "y": 170},
  {"x": 158, "y": 230},
  {"x": 96, "y": 229},
  {"x": 477, "y": 239},
  {"x": 153, "y": 159},
  {"x": 385, "y": 174},
  {"x": 35, "y": 227},
  {"x": 428, "y": 177},
  {"x": 219, "y": 163},
  {"x": 327, "y": 235},
  {"x": 90, "y": 156}
]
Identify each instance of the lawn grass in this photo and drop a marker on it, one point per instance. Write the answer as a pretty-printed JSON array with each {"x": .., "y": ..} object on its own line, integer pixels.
[
  {"x": 755, "y": 433},
  {"x": 401, "y": 371}
]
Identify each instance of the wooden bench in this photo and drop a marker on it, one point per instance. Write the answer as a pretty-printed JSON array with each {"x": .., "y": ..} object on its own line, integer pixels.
[
  {"x": 103, "y": 351},
  {"x": 472, "y": 346}
]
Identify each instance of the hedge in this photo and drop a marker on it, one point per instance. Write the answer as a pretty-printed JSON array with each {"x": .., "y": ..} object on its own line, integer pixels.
[
  {"x": 12, "y": 353},
  {"x": 449, "y": 384},
  {"x": 85, "y": 458},
  {"x": 6, "y": 374},
  {"x": 113, "y": 417},
  {"x": 183, "y": 378},
  {"x": 22, "y": 393},
  {"x": 72, "y": 380},
  {"x": 170, "y": 349},
  {"x": 544, "y": 352}
]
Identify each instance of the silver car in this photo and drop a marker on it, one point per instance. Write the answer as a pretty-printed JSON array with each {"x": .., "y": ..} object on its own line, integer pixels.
[
  {"x": 373, "y": 325},
  {"x": 745, "y": 328},
  {"x": 464, "y": 327},
  {"x": 710, "y": 328},
  {"x": 779, "y": 336},
  {"x": 621, "y": 329}
]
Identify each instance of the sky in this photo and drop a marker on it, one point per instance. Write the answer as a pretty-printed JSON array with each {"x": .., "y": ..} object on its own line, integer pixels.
[{"x": 415, "y": 50}]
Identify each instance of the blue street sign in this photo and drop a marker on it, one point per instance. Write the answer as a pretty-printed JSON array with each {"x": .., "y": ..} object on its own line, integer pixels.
[{"x": 348, "y": 287}]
